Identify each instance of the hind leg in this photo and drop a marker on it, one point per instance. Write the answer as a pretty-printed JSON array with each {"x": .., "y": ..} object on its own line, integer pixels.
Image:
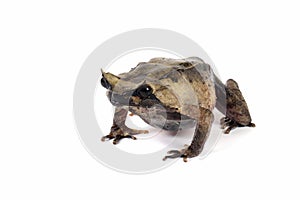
[{"x": 237, "y": 112}]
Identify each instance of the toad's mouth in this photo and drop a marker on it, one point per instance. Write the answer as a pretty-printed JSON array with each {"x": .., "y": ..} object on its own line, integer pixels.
[{"x": 118, "y": 99}]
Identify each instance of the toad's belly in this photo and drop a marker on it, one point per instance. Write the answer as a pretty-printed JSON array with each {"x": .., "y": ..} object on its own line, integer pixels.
[
  {"x": 173, "y": 125},
  {"x": 171, "y": 121}
]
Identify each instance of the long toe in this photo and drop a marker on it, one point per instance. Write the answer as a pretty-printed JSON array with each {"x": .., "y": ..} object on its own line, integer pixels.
[
  {"x": 173, "y": 154},
  {"x": 107, "y": 138}
]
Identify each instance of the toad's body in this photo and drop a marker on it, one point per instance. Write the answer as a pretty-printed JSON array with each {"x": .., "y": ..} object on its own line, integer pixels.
[{"x": 173, "y": 94}]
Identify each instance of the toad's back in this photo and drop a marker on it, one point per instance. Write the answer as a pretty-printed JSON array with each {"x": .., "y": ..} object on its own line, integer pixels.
[{"x": 188, "y": 77}]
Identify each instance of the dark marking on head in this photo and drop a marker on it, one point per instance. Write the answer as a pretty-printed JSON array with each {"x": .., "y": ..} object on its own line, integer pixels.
[
  {"x": 105, "y": 83},
  {"x": 186, "y": 64}
]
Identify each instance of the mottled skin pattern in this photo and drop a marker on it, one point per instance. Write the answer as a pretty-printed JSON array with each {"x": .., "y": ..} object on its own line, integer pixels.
[{"x": 173, "y": 94}]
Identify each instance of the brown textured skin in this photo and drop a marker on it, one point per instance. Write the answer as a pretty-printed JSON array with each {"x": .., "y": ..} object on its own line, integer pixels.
[
  {"x": 237, "y": 112},
  {"x": 186, "y": 89}
]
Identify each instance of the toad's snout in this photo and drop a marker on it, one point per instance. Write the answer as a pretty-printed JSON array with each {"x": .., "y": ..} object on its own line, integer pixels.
[
  {"x": 109, "y": 80},
  {"x": 105, "y": 83}
]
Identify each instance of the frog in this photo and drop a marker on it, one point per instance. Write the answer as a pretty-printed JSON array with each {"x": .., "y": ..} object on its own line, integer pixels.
[{"x": 174, "y": 94}]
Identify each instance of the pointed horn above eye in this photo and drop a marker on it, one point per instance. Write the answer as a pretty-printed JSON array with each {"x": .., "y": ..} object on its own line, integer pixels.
[
  {"x": 109, "y": 80},
  {"x": 102, "y": 71}
]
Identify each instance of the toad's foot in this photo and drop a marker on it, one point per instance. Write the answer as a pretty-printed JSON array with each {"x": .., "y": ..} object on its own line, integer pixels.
[
  {"x": 184, "y": 153},
  {"x": 229, "y": 124},
  {"x": 117, "y": 134}
]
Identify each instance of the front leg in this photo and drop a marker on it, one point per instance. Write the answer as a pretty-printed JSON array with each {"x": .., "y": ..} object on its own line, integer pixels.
[
  {"x": 119, "y": 130},
  {"x": 200, "y": 136}
]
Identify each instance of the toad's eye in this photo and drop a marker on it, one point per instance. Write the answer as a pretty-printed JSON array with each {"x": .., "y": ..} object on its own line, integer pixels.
[{"x": 144, "y": 91}]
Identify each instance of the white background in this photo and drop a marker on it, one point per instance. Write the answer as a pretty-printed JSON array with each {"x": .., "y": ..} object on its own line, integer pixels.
[{"x": 43, "y": 46}]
